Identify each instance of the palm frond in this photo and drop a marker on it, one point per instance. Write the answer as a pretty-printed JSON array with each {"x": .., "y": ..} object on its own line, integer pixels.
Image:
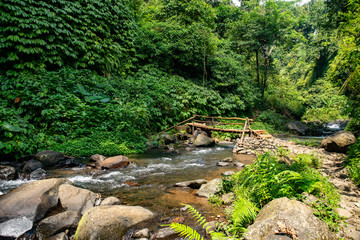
[{"x": 186, "y": 231}]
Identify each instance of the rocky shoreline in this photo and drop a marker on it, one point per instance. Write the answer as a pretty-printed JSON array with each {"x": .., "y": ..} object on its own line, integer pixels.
[{"x": 55, "y": 209}]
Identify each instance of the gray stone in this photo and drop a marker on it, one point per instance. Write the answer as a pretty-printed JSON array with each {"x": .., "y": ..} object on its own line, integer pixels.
[
  {"x": 32, "y": 165},
  {"x": 57, "y": 223},
  {"x": 212, "y": 187},
  {"x": 110, "y": 222},
  {"x": 15, "y": 227},
  {"x": 59, "y": 236},
  {"x": 338, "y": 142},
  {"x": 239, "y": 164},
  {"x": 195, "y": 184},
  {"x": 165, "y": 233},
  {"x": 228, "y": 198},
  {"x": 289, "y": 218},
  {"x": 204, "y": 141},
  {"x": 49, "y": 158},
  {"x": 31, "y": 201},
  {"x": 76, "y": 199},
  {"x": 298, "y": 127},
  {"x": 109, "y": 201},
  {"x": 224, "y": 164},
  {"x": 38, "y": 174},
  {"x": 227, "y": 173},
  {"x": 344, "y": 213},
  {"x": 7, "y": 172},
  {"x": 143, "y": 233},
  {"x": 228, "y": 159}
]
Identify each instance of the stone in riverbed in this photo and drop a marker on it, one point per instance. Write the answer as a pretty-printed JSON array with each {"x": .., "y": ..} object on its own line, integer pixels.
[
  {"x": 110, "y": 201},
  {"x": 30, "y": 202},
  {"x": 76, "y": 199},
  {"x": 165, "y": 233},
  {"x": 59, "y": 236},
  {"x": 32, "y": 165},
  {"x": 7, "y": 172},
  {"x": 15, "y": 227},
  {"x": 143, "y": 233},
  {"x": 195, "y": 184},
  {"x": 49, "y": 158},
  {"x": 60, "y": 222},
  {"x": 204, "y": 141},
  {"x": 110, "y": 222},
  {"x": 38, "y": 174},
  {"x": 224, "y": 164},
  {"x": 113, "y": 162},
  {"x": 212, "y": 187}
]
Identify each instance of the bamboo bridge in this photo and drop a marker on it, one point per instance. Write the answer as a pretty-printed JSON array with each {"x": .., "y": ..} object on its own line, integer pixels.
[{"x": 211, "y": 124}]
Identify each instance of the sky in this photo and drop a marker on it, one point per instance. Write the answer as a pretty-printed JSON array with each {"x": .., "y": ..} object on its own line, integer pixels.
[{"x": 237, "y": 3}]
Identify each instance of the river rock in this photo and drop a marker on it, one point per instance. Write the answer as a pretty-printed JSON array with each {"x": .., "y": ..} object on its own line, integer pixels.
[
  {"x": 298, "y": 127},
  {"x": 165, "y": 233},
  {"x": 76, "y": 199},
  {"x": 195, "y": 184},
  {"x": 204, "y": 141},
  {"x": 224, "y": 164},
  {"x": 59, "y": 236},
  {"x": 167, "y": 138},
  {"x": 38, "y": 174},
  {"x": 7, "y": 172},
  {"x": 15, "y": 227},
  {"x": 49, "y": 158},
  {"x": 110, "y": 222},
  {"x": 338, "y": 142},
  {"x": 143, "y": 233},
  {"x": 97, "y": 157},
  {"x": 57, "y": 223},
  {"x": 209, "y": 189},
  {"x": 32, "y": 165},
  {"x": 113, "y": 162},
  {"x": 30, "y": 202},
  {"x": 289, "y": 218},
  {"x": 110, "y": 201}
]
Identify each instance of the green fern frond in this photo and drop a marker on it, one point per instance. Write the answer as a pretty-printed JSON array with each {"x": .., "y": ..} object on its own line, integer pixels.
[
  {"x": 201, "y": 220},
  {"x": 186, "y": 231}
]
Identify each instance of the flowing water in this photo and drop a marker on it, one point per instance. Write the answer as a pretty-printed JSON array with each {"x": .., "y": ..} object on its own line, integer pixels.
[{"x": 150, "y": 182}]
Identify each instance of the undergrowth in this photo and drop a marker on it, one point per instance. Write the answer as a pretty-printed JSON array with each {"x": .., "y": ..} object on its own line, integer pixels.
[
  {"x": 270, "y": 178},
  {"x": 353, "y": 162}
]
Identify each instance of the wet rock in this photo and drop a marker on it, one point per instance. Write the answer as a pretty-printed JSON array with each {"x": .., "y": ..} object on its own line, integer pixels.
[
  {"x": 110, "y": 201},
  {"x": 338, "y": 142},
  {"x": 7, "y": 173},
  {"x": 143, "y": 233},
  {"x": 291, "y": 218},
  {"x": 49, "y": 158},
  {"x": 195, "y": 184},
  {"x": 113, "y": 162},
  {"x": 167, "y": 138},
  {"x": 209, "y": 189},
  {"x": 60, "y": 222},
  {"x": 76, "y": 199},
  {"x": 239, "y": 164},
  {"x": 38, "y": 174},
  {"x": 228, "y": 159},
  {"x": 59, "y": 236},
  {"x": 97, "y": 158},
  {"x": 165, "y": 233},
  {"x": 224, "y": 164},
  {"x": 110, "y": 222},
  {"x": 30, "y": 202},
  {"x": 298, "y": 127},
  {"x": 204, "y": 141},
  {"x": 32, "y": 165}
]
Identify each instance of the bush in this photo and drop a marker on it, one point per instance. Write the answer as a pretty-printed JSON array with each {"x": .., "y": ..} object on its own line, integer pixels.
[
  {"x": 268, "y": 179},
  {"x": 353, "y": 162},
  {"x": 270, "y": 121}
]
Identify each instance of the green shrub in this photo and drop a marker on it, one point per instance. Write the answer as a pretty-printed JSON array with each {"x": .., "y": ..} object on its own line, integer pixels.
[
  {"x": 353, "y": 162},
  {"x": 268, "y": 179}
]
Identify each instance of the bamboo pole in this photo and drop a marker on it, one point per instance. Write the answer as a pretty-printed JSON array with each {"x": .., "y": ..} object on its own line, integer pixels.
[
  {"x": 226, "y": 118},
  {"x": 243, "y": 133},
  {"x": 177, "y": 124}
]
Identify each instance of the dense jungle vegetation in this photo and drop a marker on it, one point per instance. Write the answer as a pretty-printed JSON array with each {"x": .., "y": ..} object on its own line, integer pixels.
[{"x": 94, "y": 76}]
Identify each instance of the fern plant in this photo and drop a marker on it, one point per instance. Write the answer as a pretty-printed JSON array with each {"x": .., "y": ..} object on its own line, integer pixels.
[{"x": 191, "y": 234}]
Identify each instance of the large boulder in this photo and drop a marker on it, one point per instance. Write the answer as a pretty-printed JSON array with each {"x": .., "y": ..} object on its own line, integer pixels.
[
  {"x": 32, "y": 165},
  {"x": 110, "y": 222},
  {"x": 209, "y": 189},
  {"x": 289, "y": 219},
  {"x": 49, "y": 158},
  {"x": 338, "y": 142},
  {"x": 29, "y": 203},
  {"x": 204, "y": 141},
  {"x": 113, "y": 162},
  {"x": 57, "y": 223},
  {"x": 298, "y": 127},
  {"x": 76, "y": 199},
  {"x": 7, "y": 172}
]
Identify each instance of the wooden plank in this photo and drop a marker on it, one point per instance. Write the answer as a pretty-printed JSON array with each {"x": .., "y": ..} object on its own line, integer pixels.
[
  {"x": 218, "y": 123},
  {"x": 226, "y": 118},
  {"x": 243, "y": 133}
]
